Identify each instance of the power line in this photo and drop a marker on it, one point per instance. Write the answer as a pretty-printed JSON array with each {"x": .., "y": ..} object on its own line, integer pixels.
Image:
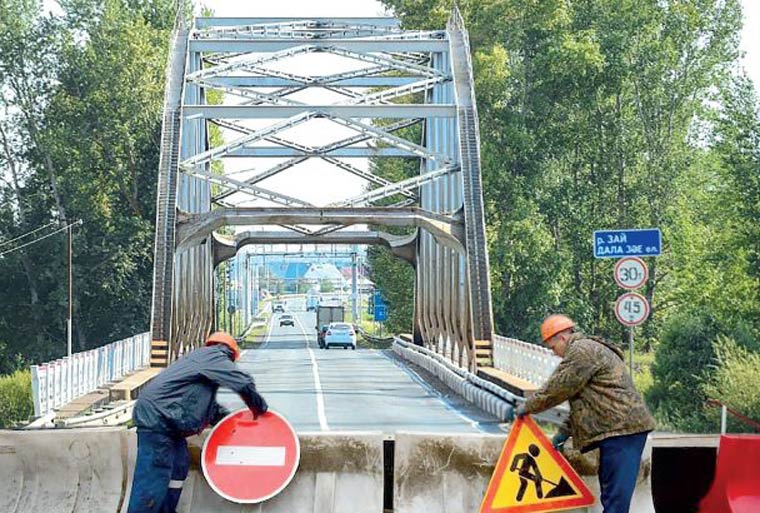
[
  {"x": 41, "y": 238},
  {"x": 27, "y": 234}
]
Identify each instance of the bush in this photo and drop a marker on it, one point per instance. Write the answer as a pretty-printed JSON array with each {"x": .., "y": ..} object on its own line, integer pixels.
[
  {"x": 15, "y": 398},
  {"x": 684, "y": 364},
  {"x": 736, "y": 382},
  {"x": 681, "y": 367}
]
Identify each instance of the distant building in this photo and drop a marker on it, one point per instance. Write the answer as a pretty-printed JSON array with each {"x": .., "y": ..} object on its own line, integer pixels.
[{"x": 319, "y": 273}]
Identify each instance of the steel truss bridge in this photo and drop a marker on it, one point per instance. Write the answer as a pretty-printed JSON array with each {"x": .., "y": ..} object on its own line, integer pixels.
[{"x": 394, "y": 79}]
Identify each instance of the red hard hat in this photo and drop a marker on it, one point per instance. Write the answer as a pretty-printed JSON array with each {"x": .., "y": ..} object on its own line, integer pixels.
[
  {"x": 554, "y": 324},
  {"x": 222, "y": 337}
]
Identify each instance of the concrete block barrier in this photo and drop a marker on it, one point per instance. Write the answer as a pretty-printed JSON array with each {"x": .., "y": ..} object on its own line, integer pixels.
[
  {"x": 63, "y": 471},
  {"x": 450, "y": 473},
  {"x": 338, "y": 473},
  {"x": 90, "y": 470},
  {"x": 588, "y": 465},
  {"x": 445, "y": 473}
]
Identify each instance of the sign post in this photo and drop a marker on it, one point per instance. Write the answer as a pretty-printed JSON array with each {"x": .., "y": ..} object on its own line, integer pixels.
[
  {"x": 631, "y": 273},
  {"x": 631, "y": 309},
  {"x": 249, "y": 461}
]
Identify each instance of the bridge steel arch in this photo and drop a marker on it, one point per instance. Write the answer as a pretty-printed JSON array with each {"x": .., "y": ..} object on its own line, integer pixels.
[{"x": 399, "y": 76}]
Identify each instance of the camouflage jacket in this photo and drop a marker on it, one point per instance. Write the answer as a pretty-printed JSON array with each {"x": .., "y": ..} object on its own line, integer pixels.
[{"x": 603, "y": 401}]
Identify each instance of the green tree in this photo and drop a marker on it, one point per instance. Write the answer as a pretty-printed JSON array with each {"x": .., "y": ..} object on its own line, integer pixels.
[{"x": 78, "y": 140}]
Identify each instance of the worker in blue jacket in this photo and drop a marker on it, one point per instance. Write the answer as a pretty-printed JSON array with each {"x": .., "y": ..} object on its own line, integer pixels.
[{"x": 180, "y": 402}]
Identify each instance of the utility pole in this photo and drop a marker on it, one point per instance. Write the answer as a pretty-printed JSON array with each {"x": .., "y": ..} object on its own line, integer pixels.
[
  {"x": 354, "y": 309},
  {"x": 69, "y": 330}
]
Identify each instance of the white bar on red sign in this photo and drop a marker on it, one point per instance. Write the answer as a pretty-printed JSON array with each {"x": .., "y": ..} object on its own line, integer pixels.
[{"x": 250, "y": 456}]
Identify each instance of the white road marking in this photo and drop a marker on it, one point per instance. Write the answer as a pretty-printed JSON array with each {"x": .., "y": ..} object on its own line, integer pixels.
[
  {"x": 250, "y": 456},
  {"x": 317, "y": 383},
  {"x": 269, "y": 333}
]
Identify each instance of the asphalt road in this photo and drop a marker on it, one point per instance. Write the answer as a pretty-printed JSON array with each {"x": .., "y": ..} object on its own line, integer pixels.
[{"x": 347, "y": 390}]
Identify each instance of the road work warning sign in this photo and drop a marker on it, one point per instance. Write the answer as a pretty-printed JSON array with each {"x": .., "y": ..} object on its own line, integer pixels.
[{"x": 532, "y": 477}]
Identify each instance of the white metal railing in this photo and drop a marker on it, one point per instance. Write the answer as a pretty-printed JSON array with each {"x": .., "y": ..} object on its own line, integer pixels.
[
  {"x": 61, "y": 381},
  {"x": 526, "y": 361}
]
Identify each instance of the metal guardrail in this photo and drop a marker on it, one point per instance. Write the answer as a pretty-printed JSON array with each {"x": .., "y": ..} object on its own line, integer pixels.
[
  {"x": 61, "y": 381},
  {"x": 488, "y": 396},
  {"x": 526, "y": 361}
]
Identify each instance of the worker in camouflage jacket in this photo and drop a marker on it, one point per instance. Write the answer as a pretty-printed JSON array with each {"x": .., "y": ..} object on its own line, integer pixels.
[
  {"x": 181, "y": 401},
  {"x": 606, "y": 411}
]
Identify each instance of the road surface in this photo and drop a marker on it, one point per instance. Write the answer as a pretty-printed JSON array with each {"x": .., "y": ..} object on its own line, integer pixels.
[{"x": 346, "y": 390}]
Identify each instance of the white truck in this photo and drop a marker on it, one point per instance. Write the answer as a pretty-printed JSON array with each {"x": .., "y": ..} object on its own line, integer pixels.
[{"x": 325, "y": 315}]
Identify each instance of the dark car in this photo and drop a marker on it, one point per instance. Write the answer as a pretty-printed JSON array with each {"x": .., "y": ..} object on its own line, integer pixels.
[{"x": 287, "y": 320}]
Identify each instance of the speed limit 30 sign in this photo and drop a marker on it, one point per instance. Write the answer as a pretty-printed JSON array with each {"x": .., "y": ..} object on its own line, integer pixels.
[
  {"x": 631, "y": 309},
  {"x": 631, "y": 273}
]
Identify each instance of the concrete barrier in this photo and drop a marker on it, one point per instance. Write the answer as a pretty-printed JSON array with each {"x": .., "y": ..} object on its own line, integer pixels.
[
  {"x": 338, "y": 473},
  {"x": 63, "y": 471},
  {"x": 442, "y": 473},
  {"x": 90, "y": 470},
  {"x": 450, "y": 473}
]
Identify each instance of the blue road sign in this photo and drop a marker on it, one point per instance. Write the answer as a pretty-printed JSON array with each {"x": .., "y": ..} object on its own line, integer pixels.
[
  {"x": 381, "y": 312},
  {"x": 623, "y": 243},
  {"x": 379, "y": 298}
]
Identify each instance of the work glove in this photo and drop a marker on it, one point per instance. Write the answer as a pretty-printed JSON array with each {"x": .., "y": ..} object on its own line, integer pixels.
[
  {"x": 514, "y": 412},
  {"x": 256, "y": 404},
  {"x": 559, "y": 440}
]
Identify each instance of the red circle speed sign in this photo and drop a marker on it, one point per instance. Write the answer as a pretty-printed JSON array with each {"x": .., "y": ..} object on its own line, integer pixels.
[
  {"x": 631, "y": 309},
  {"x": 631, "y": 273},
  {"x": 250, "y": 461}
]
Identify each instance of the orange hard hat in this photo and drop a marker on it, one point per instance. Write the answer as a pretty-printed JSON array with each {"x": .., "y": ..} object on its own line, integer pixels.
[
  {"x": 554, "y": 324},
  {"x": 222, "y": 337}
]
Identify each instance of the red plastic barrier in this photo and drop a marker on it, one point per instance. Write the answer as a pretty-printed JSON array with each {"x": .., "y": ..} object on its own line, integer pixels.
[{"x": 736, "y": 488}]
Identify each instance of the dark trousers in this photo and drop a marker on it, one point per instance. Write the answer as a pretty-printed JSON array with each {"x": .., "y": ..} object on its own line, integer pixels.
[
  {"x": 619, "y": 460},
  {"x": 160, "y": 471}
]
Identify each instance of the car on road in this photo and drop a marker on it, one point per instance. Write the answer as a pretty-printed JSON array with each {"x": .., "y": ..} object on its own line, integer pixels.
[
  {"x": 278, "y": 307},
  {"x": 340, "y": 334},
  {"x": 287, "y": 320}
]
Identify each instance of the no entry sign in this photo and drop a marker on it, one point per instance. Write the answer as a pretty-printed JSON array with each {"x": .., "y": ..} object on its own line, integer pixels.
[{"x": 250, "y": 461}]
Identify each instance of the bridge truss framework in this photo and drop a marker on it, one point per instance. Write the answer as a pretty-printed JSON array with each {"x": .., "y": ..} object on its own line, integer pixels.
[{"x": 397, "y": 79}]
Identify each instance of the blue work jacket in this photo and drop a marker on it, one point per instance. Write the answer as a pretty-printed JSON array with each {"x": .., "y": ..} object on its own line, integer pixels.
[{"x": 180, "y": 401}]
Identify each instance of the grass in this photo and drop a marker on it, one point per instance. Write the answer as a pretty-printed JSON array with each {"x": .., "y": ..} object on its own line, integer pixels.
[
  {"x": 256, "y": 335},
  {"x": 15, "y": 398},
  {"x": 642, "y": 371}
]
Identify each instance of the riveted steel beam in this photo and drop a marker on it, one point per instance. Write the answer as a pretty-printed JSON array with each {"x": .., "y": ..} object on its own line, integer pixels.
[
  {"x": 258, "y": 81},
  {"x": 226, "y": 247},
  {"x": 357, "y": 45},
  {"x": 207, "y": 22},
  {"x": 343, "y": 153},
  {"x": 194, "y": 228},
  {"x": 395, "y": 111}
]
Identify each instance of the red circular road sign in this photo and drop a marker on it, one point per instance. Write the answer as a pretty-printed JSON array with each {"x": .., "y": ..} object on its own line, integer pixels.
[
  {"x": 631, "y": 309},
  {"x": 250, "y": 461},
  {"x": 631, "y": 273}
]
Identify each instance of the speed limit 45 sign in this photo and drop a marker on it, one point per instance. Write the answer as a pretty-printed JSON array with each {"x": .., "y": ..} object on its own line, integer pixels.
[{"x": 631, "y": 309}]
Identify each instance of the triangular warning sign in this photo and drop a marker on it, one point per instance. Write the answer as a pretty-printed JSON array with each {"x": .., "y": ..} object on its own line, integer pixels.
[{"x": 532, "y": 477}]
